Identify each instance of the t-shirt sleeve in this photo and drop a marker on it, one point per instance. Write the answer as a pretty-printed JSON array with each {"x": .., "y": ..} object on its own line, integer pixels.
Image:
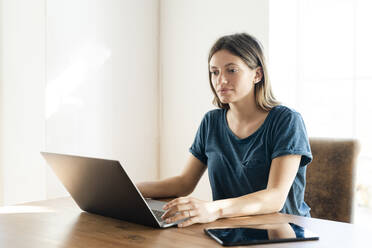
[
  {"x": 198, "y": 146},
  {"x": 290, "y": 137}
]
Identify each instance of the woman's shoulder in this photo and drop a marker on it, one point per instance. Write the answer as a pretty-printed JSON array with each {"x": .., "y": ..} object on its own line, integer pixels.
[
  {"x": 283, "y": 114},
  {"x": 283, "y": 111},
  {"x": 214, "y": 113},
  {"x": 212, "y": 117}
]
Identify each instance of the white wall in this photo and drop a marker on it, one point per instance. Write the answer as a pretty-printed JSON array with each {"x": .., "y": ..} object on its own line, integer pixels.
[
  {"x": 102, "y": 83},
  {"x": 188, "y": 30},
  {"x": 22, "y": 52},
  {"x": 102, "y": 78},
  {"x": 76, "y": 77}
]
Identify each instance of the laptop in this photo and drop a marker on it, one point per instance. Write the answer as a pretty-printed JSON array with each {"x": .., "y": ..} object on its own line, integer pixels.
[{"x": 102, "y": 186}]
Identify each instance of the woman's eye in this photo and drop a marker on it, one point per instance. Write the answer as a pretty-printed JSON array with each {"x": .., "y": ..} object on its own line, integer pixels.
[
  {"x": 232, "y": 70},
  {"x": 215, "y": 73}
]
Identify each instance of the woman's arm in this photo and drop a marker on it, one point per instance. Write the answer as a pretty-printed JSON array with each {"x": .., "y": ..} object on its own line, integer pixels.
[
  {"x": 177, "y": 186},
  {"x": 282, "y": 173}
]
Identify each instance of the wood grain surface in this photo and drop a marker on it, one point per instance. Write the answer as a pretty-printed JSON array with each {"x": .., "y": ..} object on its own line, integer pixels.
[{"x": 60, "y": 223}]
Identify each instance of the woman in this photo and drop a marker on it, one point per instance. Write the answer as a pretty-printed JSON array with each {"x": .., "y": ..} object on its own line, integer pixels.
[{"x": 256, "y": 150}]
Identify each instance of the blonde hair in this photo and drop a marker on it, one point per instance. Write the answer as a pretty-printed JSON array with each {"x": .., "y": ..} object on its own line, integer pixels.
[{"x": 250, "y": 51}]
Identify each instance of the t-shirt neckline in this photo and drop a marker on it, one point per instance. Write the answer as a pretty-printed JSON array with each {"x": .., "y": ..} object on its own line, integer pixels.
[{"x": 236, "y": 138}]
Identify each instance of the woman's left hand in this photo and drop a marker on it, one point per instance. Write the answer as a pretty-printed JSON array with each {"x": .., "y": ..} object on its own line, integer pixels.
[{"x": 197, "y": 211}]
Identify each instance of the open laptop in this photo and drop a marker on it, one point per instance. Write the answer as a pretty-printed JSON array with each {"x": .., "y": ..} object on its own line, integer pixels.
[{"x": 102, "y": 186}]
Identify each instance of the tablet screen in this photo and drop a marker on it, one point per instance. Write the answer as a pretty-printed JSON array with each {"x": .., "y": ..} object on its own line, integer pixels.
[{"x": 257, "y": 234}]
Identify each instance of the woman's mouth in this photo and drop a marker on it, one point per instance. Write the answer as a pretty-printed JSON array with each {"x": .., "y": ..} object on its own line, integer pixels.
[{"x": 224, "y": 91}]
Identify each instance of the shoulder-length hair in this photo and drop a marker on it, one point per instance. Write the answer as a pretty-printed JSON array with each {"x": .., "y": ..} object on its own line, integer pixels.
[{"x": 250, "y": 51}]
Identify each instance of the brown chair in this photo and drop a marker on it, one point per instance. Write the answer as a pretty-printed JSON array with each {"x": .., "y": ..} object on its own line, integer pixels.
[{"x": 330, "y": 178}]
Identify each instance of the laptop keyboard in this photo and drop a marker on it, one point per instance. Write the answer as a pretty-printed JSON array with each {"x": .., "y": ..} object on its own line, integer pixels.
[{"x": 158, "y": 214}]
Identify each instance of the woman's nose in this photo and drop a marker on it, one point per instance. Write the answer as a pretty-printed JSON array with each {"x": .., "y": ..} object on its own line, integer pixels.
[{"x": 222, "y": 79}]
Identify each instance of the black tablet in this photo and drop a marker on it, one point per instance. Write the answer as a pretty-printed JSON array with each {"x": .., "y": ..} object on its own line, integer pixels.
[{"x": 260, "y": 234}]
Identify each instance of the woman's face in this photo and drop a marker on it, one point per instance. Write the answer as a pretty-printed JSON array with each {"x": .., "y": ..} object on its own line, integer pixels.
[{"x": 232, "y": 79}]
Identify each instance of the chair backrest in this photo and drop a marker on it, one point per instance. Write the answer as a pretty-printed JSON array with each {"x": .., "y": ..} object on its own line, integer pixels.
[{"x": 330, "y": 179}]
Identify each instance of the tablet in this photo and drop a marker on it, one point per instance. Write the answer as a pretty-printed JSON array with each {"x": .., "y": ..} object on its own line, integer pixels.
[{"x": 260, "y": 234}]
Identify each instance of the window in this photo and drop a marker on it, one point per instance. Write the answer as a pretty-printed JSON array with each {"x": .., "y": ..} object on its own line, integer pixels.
[{"x": 319, "y": 54}]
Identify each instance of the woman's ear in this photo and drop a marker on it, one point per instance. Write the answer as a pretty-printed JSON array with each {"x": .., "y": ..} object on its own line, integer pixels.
[{"x": 259, "y": 75}]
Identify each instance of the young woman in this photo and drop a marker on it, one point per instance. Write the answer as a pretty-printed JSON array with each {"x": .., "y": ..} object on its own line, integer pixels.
[{"x": 256, "y": 150}]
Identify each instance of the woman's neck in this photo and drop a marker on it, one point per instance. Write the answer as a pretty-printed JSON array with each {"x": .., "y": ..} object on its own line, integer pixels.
[{"x": 245, "y": 111}]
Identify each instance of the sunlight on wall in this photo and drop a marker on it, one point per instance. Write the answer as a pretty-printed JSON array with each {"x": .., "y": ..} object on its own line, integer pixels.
[{"x": 60, "y": 90}]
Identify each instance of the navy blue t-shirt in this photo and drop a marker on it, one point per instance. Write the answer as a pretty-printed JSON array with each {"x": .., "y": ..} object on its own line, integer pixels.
[{"x": 237, "y": 167}]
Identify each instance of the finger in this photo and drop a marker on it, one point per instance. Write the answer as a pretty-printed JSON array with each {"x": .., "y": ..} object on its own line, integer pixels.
[
  {"x": 188, "y": 222},
  {"x": 168, "y": 214},
  {"x": 172, "y": 202},
  {"x": 181, "y": 200},
  {"x": 177, "y": 208},
  {"x": 180, "y": 216}
]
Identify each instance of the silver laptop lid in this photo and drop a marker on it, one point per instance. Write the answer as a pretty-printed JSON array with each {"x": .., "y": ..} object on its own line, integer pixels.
[{"x": 102, "y": 187}]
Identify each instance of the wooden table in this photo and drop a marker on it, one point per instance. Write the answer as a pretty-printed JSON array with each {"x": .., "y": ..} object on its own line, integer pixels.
[{"x": 60, "y": 223}]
